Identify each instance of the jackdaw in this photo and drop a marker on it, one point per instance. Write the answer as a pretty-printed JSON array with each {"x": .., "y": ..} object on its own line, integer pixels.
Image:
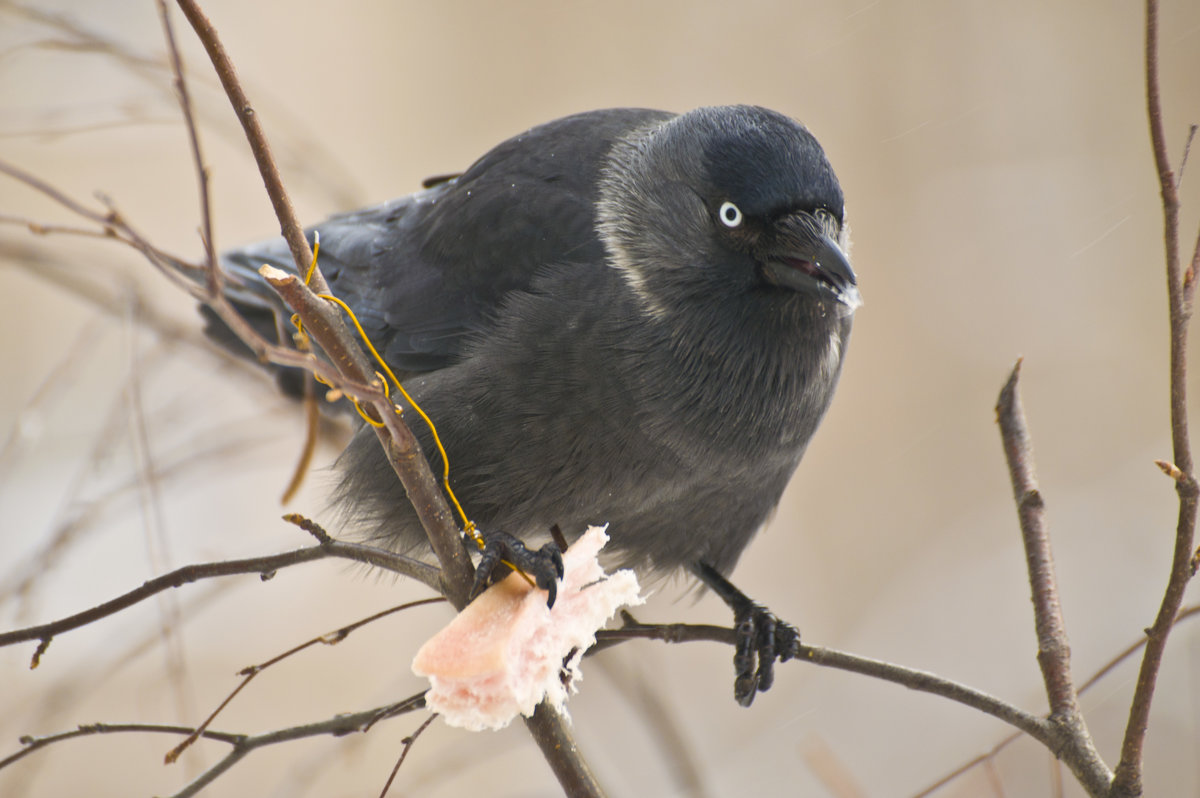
[{"x": 625, "y": 316}]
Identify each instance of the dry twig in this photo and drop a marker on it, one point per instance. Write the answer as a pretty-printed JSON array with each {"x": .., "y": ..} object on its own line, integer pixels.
[{"x": 1180, "y": 292}]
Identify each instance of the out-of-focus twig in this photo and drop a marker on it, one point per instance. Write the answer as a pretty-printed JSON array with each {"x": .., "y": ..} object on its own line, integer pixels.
[{"x": 289, "y": 223}]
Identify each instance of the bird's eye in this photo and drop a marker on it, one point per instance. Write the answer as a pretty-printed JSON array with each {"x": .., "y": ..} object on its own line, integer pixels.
[{"x": 731, "y": 215}]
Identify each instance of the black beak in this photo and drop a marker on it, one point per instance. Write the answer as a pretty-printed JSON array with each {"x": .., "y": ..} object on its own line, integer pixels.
[{"x": 806, "y": 259}]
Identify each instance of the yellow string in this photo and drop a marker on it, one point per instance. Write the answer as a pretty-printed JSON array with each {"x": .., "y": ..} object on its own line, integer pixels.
[
  {"x": 468, "y": 524},
  {"x": 312, "y": 267}
]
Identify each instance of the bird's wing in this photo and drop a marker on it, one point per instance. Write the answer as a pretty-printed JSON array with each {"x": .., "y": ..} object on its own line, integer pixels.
[{"x": 425, "y": 272}]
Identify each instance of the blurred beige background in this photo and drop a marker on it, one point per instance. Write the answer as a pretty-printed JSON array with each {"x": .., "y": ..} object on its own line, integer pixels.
[{"x": 1003, "y": 201}]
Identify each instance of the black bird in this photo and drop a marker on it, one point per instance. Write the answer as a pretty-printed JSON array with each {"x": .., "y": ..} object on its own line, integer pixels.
[{"x": 624, "y": 316}]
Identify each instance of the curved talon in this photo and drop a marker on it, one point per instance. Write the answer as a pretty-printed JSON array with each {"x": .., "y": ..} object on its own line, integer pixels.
[
  {"x": 765, "y": 644},
  {"x": 787, "y": 640},
  {"x": 760, "y": 638},
  {"x": 745, "y": 682},
  {"x": 544, "y": 566}
]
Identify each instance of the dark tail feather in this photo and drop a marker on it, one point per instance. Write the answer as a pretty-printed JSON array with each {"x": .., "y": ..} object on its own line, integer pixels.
[{"x": 258, "y": 305}]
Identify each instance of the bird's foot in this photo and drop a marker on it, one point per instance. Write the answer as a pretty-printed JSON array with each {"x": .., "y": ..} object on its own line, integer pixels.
[
  {"x": 762, "y": 638},
  {"x": 501, "y": 550}
]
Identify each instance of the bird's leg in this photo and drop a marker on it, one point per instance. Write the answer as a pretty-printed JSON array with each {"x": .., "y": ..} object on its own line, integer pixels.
[
  {"x": 761, "y": 636},
  {"x": 544, "y": 566}
]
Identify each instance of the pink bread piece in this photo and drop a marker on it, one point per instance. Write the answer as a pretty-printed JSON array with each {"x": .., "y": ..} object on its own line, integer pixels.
[{"x": 507, "y": 651}]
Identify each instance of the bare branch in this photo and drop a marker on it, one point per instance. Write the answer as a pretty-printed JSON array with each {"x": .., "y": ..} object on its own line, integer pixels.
[
  {"x": 112, "y": 225},
  {"x": 1092, "y": 681},
  {"x": 289, "y": 224},
  {"x": 967, "y": 766},
  {"x": 1054, "y": 650},
  {"x": 553, "y": 735},
  {"x": 264, "y": 566},
  {"x": 1187, "y": 150},
  {"x": 352, "y": 375},
  {"x": 248, "y": 673},
  {"x": 31, "y": 744},
  {"x": 1180, "y": 290},
  {"x": 408, "y": 744},
  {"x": 397, "y": 440},
  {"x": 337, "y": 726},
  {"x": 1038, "y": 728},
  {"x": 324, "y": 324},
  {"x": 185, "y": 105},
  {"x": 42, "y": 229}
]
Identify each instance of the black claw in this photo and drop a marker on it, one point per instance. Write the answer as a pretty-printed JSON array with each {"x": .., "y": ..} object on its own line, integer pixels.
[
  {"x": 765, "y": 644},
  {"x": 761, "y": 638},
  {"x": 787, "y": 640},
  {"x": 544, "y": 566}
]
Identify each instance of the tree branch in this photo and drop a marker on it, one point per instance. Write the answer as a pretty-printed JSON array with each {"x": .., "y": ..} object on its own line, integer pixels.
[
  {"x": 1092, "y": 681},
  {"x": 1054, "y": 650},
  {"x": 185, "y": 105},
  {"x": 1038, "y": 728},
  {"x": 548, "y": 728},
  {"x": 264, "y": 566},
  {"x": 403, "y": 451},
  {"x": 408, "y": 744},
  {"x": 337, "y": 726},
  {"x": 243, "y": 744},
  {"x": 1180, "y": 291},
  {"x": 327, "y": 327},
  {"x": 289, "y": 224}
]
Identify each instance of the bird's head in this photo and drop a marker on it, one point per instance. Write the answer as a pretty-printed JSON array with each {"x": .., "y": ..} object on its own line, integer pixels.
[{"x": 726, "y": 200}]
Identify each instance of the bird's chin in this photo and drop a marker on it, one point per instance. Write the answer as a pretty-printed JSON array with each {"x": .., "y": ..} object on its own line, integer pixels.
[{"x": 806, "y": 277}]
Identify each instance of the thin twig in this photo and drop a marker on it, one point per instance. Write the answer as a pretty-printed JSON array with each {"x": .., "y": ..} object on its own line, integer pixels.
[
  {"x": 248, "y": 673},
  {"x": 114, "y": 226},
  {"x": 397, "y": 440},
  {"x": 289, "y": 223},
  {"x": 1036, "y": 727},
  {"x": 337, "y": 726},
  {"x": 967, "y": 766},
  {"x": 1054, "y": 650},
  {"x": 1180, "y": 288},
  {"x": 43, "y": 229},
  {"x": 189, "y": 117},
  {"x": 300, "y": 154},
  {"x": 1092, "y": 681},
  {"x": 408, "y": 744},
  {"x": 31, "y": 744},
  {"x": 1187, "y": 150},
  {"x": 154, "y": 522},
  {"x": 323, "y": 323},
  {"x": 264, "y": 566}
]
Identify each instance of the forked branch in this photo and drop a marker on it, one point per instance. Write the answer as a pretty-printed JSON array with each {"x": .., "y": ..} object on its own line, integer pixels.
[{"x": 1180, "y": 292}]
